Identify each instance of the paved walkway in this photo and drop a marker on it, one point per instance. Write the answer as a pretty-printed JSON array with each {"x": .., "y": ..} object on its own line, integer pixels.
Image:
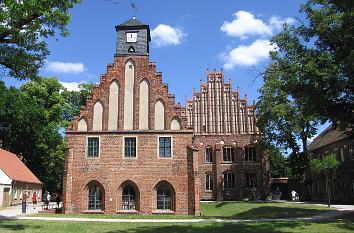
[{"x": 15, "y": 213}]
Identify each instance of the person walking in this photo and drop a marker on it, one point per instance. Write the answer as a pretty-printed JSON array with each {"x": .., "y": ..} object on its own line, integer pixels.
[{"x": 34, "y": 199}]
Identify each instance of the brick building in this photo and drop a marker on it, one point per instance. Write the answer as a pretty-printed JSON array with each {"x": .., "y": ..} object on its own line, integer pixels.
[
  {"x": 133, "y": 150},
  {"x": 341, "y": 144},
  {"x": 232, "y": 164}
]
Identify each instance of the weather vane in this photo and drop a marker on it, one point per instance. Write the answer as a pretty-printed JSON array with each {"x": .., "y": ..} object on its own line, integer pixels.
[{"x": 135, "y": 8}]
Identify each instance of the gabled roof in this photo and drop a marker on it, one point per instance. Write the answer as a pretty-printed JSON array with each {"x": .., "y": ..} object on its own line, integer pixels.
[
  {"x": 132, "y": 22},
  {"x": 15, "y": 168},
  {"x": 328, "y": 136}
]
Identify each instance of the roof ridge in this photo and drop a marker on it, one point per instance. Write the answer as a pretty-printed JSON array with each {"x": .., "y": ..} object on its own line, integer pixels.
[{"x": 132, "y": 22}]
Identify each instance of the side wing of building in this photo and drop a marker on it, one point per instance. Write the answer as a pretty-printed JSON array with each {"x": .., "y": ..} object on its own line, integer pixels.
[{"x": 233, "y": 165}]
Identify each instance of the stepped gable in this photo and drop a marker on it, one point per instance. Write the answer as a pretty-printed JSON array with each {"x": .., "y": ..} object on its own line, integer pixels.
[
  {"x": 216, "y": 109},
  {"x": 158, "y": 91}
]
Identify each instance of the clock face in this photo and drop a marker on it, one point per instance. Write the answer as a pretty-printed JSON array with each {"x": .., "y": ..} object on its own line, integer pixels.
[{"x": 132, "y": 36}]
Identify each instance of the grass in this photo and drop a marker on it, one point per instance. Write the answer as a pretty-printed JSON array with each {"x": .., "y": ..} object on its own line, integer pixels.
[
  {"x": 252, "y": 210},
  {"x": 225, "y": 210},
  {"x": 235, "y": 210},
  {"x": 30, "y": 226}
]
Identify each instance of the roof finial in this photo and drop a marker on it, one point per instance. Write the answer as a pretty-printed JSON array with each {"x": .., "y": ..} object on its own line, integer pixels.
[{"x": 135, "y": 8}]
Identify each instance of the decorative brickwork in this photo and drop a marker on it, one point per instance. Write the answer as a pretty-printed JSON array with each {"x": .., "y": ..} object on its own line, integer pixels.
[{"x": 121, "y": 163}]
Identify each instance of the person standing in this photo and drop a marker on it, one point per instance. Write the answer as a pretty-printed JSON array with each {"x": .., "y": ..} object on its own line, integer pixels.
[
  {"x": 34, "y": 199},
  {"x": 24, "y": 202},
  {"x": 47, "y": 199}
]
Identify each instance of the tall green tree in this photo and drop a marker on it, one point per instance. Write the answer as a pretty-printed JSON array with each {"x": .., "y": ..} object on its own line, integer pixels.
[
  {"x": 30, "y": 119},
  {"x": 279, "y": 165},
  {"x": 282, "y": 118},
  {"x": 317, "y": 58},
  {"x": 23, "y": 26}
]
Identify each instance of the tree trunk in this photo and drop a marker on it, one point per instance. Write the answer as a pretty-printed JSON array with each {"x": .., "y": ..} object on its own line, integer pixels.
[{"x": 328, "y": 190}]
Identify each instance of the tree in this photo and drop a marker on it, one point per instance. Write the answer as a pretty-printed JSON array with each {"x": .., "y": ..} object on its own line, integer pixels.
[
  {"x": 279, "y": 166},
  {"x": 318, "y": 59},
  {"x": 282, "y": 118},
  {"x": 75, "y": 99},
  {"x": 30, "y": 119},
  {"x": 327, "y": 165},
  {"x": 23, "y": 26}
]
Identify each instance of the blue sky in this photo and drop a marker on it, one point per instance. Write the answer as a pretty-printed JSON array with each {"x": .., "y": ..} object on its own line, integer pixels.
[{"x": 187, "y": 38}]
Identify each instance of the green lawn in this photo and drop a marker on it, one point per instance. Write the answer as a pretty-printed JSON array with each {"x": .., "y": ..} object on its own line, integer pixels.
[
  {"x": 30, "y": 226},
  {"x": 227, "y": 210},
  {"x": 252, "y": 210},
  {"x": 235, "y": 210}
]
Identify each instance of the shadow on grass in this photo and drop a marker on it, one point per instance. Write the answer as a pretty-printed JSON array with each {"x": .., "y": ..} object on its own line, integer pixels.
[
  {"x": 11, "y": 225},
  {"x": 277, "y": 212},
  {"x": 16, "y": 225},
  {"x": 271, "y": 212},
  {"x": 264, "y": 227},
  {"x": 213, "y": 228},
  {"x": 221, "y": 204}
]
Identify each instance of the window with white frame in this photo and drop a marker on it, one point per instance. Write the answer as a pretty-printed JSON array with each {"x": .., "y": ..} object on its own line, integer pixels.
[
  {"x": 229, "y": 180},
  {"x": 165, "y": 147},
  {"x": 208, "y": 155},
  {"x": 130, "y": 147},
  {"x": 228, "y": 154},
  {"x": 250, "y": 153},
  {"x": 93, "y": 146},
  {"x": 208, "y": 182}
]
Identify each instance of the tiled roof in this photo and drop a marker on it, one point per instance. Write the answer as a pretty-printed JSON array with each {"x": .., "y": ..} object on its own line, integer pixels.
[
  {"x": 328, "y": 136},
  {"x": 15, "y": 168},
  {"x": 132, "y": 22}
]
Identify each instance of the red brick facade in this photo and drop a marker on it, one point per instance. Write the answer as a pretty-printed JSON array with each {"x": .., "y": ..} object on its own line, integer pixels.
[{"x": 107, "y": 180}]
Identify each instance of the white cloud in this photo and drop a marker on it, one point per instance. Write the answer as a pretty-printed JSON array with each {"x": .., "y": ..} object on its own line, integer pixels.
[
  {"x": 164, "y": 35},
  {"x": 276, "y": 22},
  {"x": 246, "y": 24},
  {"x": 246, "y": 55},
  {"x": 73, "y": 86},
  {"x": 65, "y": 67}
]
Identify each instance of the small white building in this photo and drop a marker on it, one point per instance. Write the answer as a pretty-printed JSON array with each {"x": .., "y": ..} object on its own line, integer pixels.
[{"x": 15, "y": 179}]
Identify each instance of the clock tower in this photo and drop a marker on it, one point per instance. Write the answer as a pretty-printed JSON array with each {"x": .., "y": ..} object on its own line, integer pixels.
[{"x": 133, "y": 38}]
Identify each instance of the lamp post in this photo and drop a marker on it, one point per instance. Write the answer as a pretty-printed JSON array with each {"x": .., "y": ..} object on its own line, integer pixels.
[{"x": 325, "y": 167}]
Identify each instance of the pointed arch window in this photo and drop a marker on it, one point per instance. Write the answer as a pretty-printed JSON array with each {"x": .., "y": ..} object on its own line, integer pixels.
[
  {"x": 128, "y": 198},
  {"x": 164, "y": 199},
  {"x": 95, "y": 198}
]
